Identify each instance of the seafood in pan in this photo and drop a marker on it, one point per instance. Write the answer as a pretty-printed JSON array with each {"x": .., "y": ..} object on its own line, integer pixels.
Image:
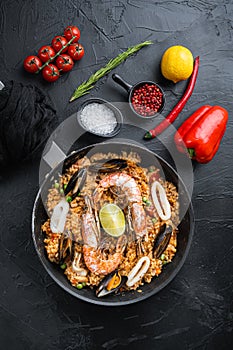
[{"x": 112, "y": 223}]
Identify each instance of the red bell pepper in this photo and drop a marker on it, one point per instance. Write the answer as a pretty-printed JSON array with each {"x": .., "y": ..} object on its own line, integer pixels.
[{"x": 200, "y": 135}]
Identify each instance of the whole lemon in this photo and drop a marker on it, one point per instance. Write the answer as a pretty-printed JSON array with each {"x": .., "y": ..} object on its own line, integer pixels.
[{"x": 177, "y": 63}]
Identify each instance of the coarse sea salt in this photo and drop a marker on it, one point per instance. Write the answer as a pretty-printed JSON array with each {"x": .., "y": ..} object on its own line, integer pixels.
[{"x": 98, "y": 118}]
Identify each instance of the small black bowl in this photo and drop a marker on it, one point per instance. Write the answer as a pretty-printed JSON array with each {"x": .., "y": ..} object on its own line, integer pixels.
[
  {"x": 115, "y": 110},
  {"x": 131, "y": 88}
]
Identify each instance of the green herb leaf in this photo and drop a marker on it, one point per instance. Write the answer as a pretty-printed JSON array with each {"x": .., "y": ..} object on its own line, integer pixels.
[{"x": 86, "y": 86}]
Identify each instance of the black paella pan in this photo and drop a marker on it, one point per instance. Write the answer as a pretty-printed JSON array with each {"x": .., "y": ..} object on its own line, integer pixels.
[{"x": 184, "y": 236}]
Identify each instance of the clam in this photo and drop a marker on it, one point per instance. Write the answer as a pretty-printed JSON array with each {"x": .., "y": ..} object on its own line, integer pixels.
[
  {"x": 76, "y": 183},
  {"x": 110, "y": 284},
  {"x": 162, "y": 240},
  {"x": 109, "y": 166}
]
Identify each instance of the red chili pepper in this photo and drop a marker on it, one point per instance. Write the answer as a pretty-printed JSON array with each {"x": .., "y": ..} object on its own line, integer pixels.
[
  {"x": 200, "y": 135},
  {"x": 170, "y": 118}
]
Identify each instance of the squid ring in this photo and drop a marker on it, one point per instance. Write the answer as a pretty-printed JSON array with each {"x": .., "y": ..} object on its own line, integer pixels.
[
  {"x": 58, "y": 218},
  {"x": 138, "y": 271},
  {"x": 161, "y": 204}
]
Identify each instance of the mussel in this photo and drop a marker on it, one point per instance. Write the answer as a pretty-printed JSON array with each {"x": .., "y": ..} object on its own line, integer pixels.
[
  {"x": 76, "y": 183},
  {"x": 110, "y": 284},
  {"x": 65, "y": 246},
  {"x": 162, "y": 240},
  {"x": 109, "y": 166}
]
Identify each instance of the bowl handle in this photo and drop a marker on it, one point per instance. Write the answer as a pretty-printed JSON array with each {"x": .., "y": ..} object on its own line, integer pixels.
[{"x": 122, "y": 82}]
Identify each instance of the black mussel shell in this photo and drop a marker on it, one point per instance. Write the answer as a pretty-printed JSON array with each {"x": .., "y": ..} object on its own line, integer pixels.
[
  {"x": 65, "y": 247},
  {"x": 162, "y": 240},
  {"x": 77, "y": 180},
  {"x": 109, "y": 166},
  {"x": 102, "y": 290}
]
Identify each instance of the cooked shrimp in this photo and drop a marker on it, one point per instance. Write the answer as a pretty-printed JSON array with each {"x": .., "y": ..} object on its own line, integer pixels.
[
  {"x": 94, "y": 257},
  {"x": 127, "y": 184},
  {"x": 129, "y": 187}
]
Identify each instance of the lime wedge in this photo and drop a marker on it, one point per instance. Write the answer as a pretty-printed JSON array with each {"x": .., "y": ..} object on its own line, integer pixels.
[{"x": 112, "y": 219}]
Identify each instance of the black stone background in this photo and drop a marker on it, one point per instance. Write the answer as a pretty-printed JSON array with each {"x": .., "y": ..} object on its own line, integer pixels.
[{"x": 195, "y": 310}]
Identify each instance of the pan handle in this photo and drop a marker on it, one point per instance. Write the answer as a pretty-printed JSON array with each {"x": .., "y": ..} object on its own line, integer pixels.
[
  {"x": 60, "y": 142},
  {"x": 122, "y": 82},
  {"x": 1, "y": 85},
  {"x": 54, "y": 155}
]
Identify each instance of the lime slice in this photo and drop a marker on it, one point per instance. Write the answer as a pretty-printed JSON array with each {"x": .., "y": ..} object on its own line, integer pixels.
[{"x": 112, "y": 219}]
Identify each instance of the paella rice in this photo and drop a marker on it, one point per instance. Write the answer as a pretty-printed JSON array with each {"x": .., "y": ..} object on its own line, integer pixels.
[{"x": 72, "y": 250}]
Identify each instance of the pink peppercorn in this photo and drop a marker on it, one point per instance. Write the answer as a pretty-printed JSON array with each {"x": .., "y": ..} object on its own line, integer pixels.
[{"x": 147, "y": 99}]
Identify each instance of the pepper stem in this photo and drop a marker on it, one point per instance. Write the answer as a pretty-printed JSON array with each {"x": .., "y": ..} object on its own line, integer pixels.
[
  {"x": 148, "y": 135},
  {"x": 191, "y": 152}
]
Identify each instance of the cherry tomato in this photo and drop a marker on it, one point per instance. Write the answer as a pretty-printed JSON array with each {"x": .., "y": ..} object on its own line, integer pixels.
[
  {"x": 71, "y": 31},
  {"x": 50, "y": 73},
  {"x": 32, "y": 64},
  {"x": 76, "y": 51},
  {"x": 45, "y": 53},
  {"x": 58, "y": 42},
  {"x": 64, "y": 62}
]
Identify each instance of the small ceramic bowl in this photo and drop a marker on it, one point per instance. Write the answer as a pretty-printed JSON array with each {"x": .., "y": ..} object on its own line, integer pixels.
[
  {"x": 131, "y": 88},
  {"x": 115, "y": 110}
]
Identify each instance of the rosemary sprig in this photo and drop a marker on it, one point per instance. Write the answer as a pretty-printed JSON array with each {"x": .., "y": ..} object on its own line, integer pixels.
[{"x": 87, "y": 85}]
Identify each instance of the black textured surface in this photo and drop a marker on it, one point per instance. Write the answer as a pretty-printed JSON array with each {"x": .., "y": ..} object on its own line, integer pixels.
[{"x": 195, "y": 310}]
